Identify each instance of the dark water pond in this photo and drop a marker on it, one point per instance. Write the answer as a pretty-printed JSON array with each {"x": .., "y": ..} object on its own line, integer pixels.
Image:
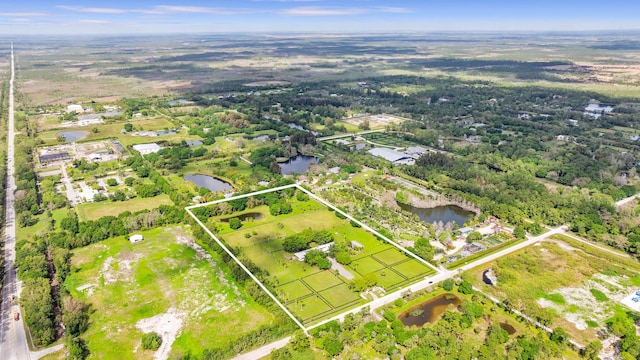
[
  {"x": 298, "y": 164},
  {"x": 73, "y": 135},
  {"x": 429, "y": 311},
  {"x": 252, "y": 216},
  {"x": 446, "y": 213},
  {"x": 208, "y": 182},
  {"x": 509, "y": 328}
]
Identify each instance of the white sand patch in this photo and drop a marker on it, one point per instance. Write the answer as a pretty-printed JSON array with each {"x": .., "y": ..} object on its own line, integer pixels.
[
  {"x": 549, "y": 304},
  {"x": 576, "y": 320},
  {"x": 167, "y": 325},
  {"x": 565, "y": 246},
  {"x": 86, "y": 288}
]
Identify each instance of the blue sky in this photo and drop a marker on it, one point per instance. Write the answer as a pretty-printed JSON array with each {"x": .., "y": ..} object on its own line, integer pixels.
[{"x": 160, "y": 16}]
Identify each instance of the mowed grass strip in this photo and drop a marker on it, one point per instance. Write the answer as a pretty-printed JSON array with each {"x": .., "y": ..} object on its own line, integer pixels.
[
  {"x": 94, "y": 211},
  {"x": 322, "y": 280},
  {"x": 390, "y": 256},
  {"x": 366, "y": 265},
  {"x": 293, "y": 290},
  {"x": 412, "y": 268},
  {"x": 388, "y": 278},
  {"x": 309, "y": 307},
  {"x": 340, "y": 295}
]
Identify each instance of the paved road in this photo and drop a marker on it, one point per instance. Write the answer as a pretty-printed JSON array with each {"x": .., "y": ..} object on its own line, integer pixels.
[
  {"x": 626, "y": 200},
  {"x": 259, "y": 353},
  {"x": 13, "y": 342},
  {"x": 333, "y": 137}
]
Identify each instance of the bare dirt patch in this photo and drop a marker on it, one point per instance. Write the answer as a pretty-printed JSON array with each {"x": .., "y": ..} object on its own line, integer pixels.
[{"x": 167, "y": 325}]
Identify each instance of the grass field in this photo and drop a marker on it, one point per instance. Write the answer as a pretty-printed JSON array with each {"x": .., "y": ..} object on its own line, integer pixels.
[
  {"x": 114, "y": 130},
  {"x": 563, "y": 284},
  {"x": 126, "y": 283},
  {"x": 388, "y": 140},
  {"x": 312, "y": 294},
  {"x": 96, "y": 210}
]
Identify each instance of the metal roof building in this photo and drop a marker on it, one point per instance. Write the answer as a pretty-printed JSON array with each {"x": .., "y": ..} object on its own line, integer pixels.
[
  {"x": 47, "y": 158},
  {"x": 389, "y": 155},
  {"x": 145, "y": 149}
]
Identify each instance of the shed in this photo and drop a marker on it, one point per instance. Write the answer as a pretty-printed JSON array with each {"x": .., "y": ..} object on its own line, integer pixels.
[
  {"x": 136, "y": 238},
  {"x": 465, "y": 230},
  {"x": 356, "y": 245}
]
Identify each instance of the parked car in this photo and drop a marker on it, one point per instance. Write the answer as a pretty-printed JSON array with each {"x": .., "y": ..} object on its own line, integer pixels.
[{"x": 16, "y": 316}]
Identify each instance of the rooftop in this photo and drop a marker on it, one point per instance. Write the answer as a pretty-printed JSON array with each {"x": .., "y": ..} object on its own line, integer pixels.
[{"x": 388, "y": 154}]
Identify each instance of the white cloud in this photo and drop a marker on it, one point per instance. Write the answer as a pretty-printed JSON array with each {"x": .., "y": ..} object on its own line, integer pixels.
[
  {"x": 94, "y": 10},
  {"x": 158, "y": 10},
  {"x": 22, "y": 14},
  {"x": 335, "y": 11}
]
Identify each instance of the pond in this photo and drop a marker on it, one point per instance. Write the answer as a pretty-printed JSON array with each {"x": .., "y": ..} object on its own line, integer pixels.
[
  {"x": 73, "y": 135},
  {"x": 429, "y": 311},
  {"x": 298, "y": 127},
  {"x": 446, "y": 213},
  {"x": 252, "y": 216},
  {"x": 209, "y": 182},
  {"x": 298, "y": 164}
]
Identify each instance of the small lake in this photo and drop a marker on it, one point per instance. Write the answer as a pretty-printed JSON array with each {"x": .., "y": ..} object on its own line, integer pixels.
[
  {"x": 298, "y": 127},
  {"x": 429, "y": 311},
  {"x": 252, "y": 216},
  {"x": 209, "y": 182},
  {"x": 193, "y": 143},
  {"x": 298, "y": 164},
  {"x": 73, "y": 135},
  {"x": 509, "y": 328},
  {"x": 446, "y": 213}
]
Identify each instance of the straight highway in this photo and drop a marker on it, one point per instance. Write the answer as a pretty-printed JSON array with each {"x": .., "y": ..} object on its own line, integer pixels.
[{"x": 13, "y": 341}]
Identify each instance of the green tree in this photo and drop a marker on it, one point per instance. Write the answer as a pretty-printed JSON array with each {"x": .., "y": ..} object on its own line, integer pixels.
[
  {"x": 151, "y": 341},
  {"x": 519, "y": 232},
  {"x": 128, "y": 127},
  {"x": 448, "y": 284},
  {"x": 235, "y": 223},
  {"x": 465, "y": 287},
  {"x": 75, "y": 316},
  {"x": 474, "y": 236},
  {"x": 77, "y": 349}
]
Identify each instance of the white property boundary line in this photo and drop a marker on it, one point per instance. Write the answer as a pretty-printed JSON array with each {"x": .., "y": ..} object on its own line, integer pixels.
[{"x": 316, "y": 198}]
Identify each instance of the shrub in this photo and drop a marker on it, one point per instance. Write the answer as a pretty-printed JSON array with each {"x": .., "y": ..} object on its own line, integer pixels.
[
  {"x": 235, "y": 223},
  {"x": 112, "y": 182},
  {"x": 151, "y": 341},
  {"x": 448, "y": 284}
]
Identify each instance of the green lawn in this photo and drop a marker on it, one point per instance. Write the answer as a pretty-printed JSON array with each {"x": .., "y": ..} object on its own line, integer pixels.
[
  {"x": 390, "y": 256},
  {"x": 293, "y": 290},
  {"x": 366, "y": 265},
  {"x": 309, "y": 307},
  {"x": 96, "y": 210},
  {"x": 412, "y": 268},
  {"x": 131, "y": 282},
  {"x": 322, "y": 280},
  {"x": 340, "y": 295}
]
